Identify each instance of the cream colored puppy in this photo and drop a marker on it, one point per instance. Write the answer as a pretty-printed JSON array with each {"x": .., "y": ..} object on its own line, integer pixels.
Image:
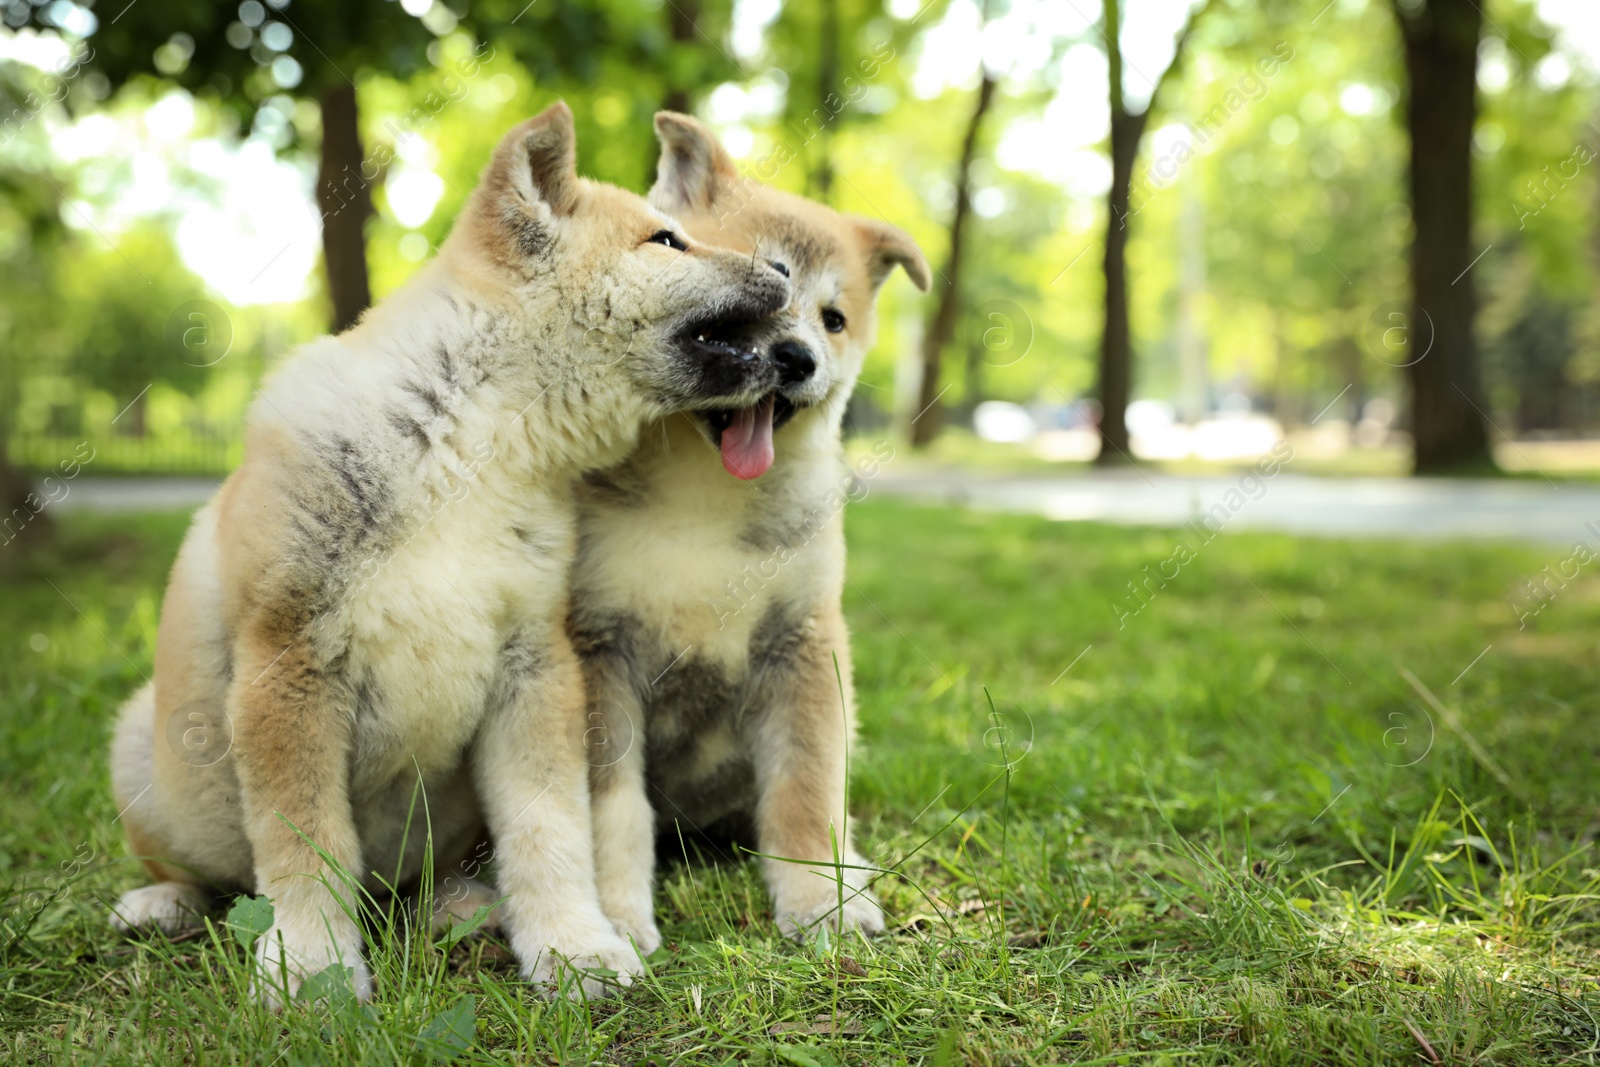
[
  {"x": 705, "y": 600},
  {"x": 376, "y": 599}
]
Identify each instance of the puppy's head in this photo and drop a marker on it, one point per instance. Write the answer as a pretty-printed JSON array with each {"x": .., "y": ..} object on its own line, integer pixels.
[
  {"x": 835, "y": 263},
  {"x": 610, "y": 285}
]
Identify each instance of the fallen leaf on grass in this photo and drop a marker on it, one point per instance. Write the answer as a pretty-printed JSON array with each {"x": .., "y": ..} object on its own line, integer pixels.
[
  {"x": 849, "y": 966},
  {"x": 822, "y": 1024},
  {"x": 1369, "y": 969}
]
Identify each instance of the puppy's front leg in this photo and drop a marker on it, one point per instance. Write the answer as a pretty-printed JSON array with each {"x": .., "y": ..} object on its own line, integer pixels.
[
  {"x": 624, "y": 822},
  {"x": 291, "y": 748},
  {"x": 534, "y": 784},
  {"x": 801, "y": 742}
]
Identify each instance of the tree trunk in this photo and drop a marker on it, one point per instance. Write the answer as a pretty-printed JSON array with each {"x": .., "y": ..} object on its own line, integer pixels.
[
  {"x": 1347, "y": 357},
  {"x": 344, "y": 196},
  {"x": 1441, "y": 53},
  {"x": 681, "y": 16},
  {"x": 133, "y": 421},
  {"x": 827, "y": 87},
  {"x": 1116, "y": 342},
  {"x": 15, "y": 489},
  {"x": 972, "y": 382},
  {"x": 941, "y": 326},
  {"x": 1127, "y": 130},
  {"x": 1116, "y": 339}
]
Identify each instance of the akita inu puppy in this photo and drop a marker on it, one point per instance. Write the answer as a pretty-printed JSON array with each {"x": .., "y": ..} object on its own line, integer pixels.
[
  {"x": 706, "y": 608},
  {"x": 374, "y": 605}
]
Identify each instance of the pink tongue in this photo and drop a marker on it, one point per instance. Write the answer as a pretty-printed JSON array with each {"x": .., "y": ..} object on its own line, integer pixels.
[{"x": 747, "y": 442}]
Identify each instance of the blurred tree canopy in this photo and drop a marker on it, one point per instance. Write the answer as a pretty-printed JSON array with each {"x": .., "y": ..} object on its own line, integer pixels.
[
  {"x": 240, "y": 56},
  {"x": 1266, "y": 239}
]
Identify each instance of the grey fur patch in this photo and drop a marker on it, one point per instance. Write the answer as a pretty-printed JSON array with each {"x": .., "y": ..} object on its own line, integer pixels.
[
  {"x": 410, "y": 427},
  {"x": 537, "y": 544},
  {"x": 361, "y": 479},
  {"x": 425, "y": 392},
  {"x": 521, "y": 657},
  {"x": 447, "y": 364},
  {"x": 609, "y": 646},
  {"x": 777, "y": 641},
  {"x": 528, "y": 237},
  {"x": 703, "y": 803},
  {"x": 793, "y": 526},
  {"x": 338, "y": 511},
  {"x": 689, "y": 704},
  {"x": 686, "y": 699},
  {"x": 613, "y": 639},
  {"x": 623, "y": 486},
  {"x": 367, "y": 695}
]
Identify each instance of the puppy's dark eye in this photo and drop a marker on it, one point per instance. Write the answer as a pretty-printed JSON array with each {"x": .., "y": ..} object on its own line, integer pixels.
[
  {"x": 832, "y": 320},
  {"x": 668, "y": 238}
]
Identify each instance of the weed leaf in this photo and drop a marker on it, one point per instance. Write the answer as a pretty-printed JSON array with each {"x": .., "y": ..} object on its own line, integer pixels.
[
  {"x": 332, "y": 984},
  {"x": 465, "y": 928},
  {"x": 251, "y": 917},
  {"x": 803, "y": 1055},
  {"x": 448, "y": 1034}
]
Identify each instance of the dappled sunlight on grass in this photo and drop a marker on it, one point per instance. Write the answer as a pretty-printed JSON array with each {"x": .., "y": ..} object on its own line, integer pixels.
[{"x": 1224, "y": 828}]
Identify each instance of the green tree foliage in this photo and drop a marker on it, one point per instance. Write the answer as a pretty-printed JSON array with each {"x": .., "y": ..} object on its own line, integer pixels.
[
  {"x": 830, "y": 54},
  {"x": 1537, "y": 151},
  {"x": 240, "y": 57},
  {"x": 148, "y": 325},
  {"x": 1282, "y": 135},
  {"x": 1304, "y": 209}
]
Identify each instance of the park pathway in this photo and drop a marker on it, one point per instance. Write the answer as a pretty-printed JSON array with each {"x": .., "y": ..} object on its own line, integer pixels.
[{"x": 1514, "y": 509}]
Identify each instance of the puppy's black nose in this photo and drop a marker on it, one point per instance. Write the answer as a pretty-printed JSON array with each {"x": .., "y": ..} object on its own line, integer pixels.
[
  {"x": 781, "y": 267},
  {"x": 795, "y": 362}
]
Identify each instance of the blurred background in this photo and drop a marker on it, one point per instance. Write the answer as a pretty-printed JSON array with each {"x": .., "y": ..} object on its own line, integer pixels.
[{"x": 1163, "y": 231}]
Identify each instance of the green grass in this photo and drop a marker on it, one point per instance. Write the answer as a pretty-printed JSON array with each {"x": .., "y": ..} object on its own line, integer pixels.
[{"x": 1233, "y": 831}]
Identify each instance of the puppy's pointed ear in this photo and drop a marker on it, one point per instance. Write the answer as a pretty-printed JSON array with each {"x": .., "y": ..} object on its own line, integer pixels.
[
  {"x": 537, "y": 162},
  {"x": 888, "y": 247},
  {"x": 693, "y": 164}
]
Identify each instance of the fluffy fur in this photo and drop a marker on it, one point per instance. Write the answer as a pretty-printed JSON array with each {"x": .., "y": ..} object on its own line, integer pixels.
[
  {"x": 375, "y": 602},
  {"x": 706, "y": 609}
]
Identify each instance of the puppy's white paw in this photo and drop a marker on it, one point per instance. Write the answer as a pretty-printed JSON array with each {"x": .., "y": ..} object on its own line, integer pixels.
[
  {"x": 806, "y": 900},
  {"x": 458, "y": 900},
  {"x": 642, "y": 932},
  {"x": 560, "y": 958},
  {"x": 634, "y": 919},
  {"x": 287, "y": 961},
  {"x": 170, "y": 907},
  {"x": 861, "y": 912}
]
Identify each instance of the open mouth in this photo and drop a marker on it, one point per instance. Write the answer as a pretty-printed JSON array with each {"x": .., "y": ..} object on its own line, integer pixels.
[
  {"x": 724, "y": 339},
  {"x": 704, "y": 340},
  {"x": 744, "y": 435},
  {"x": 721, "y": 360}
]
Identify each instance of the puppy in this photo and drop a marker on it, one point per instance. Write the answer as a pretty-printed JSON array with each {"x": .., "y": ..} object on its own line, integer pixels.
[
  {"x": 705, "y": 598},
  {"x": 374, "y": 604}
]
